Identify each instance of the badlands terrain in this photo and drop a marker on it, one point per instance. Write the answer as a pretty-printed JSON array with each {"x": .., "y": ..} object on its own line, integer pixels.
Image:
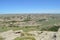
[{"x": 30, "y": 27}]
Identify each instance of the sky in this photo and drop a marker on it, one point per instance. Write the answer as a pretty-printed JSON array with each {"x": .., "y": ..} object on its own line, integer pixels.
[{"x": 29, "y": 6}]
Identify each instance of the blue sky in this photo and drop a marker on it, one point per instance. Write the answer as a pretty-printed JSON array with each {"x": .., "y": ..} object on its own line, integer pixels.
[{"x": 29, "y": 6}]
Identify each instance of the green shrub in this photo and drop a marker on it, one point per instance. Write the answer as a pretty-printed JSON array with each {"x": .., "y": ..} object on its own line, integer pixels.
[{"x": 53, "y": 28}]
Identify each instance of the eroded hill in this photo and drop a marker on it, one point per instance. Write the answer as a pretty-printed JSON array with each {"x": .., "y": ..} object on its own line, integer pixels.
[{"x": 28, "y": 22}]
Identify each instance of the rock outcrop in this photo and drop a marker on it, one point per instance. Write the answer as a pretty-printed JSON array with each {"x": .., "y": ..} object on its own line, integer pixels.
[
  {"x": 46, "y": 35},
  {"x": 38, "y": 35}
]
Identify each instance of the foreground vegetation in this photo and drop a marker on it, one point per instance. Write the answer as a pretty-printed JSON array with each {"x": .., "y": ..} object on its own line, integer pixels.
[
  {"x": 25, "y": 38},
  {"x": 1, "y": 38}
]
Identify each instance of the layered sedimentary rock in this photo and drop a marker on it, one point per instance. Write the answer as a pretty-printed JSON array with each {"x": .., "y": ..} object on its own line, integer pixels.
[{"x": 38, "y": 35}]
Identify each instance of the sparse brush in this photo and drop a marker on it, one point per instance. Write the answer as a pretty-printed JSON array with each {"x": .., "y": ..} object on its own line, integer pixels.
[{"x": 25, "y": 38}]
